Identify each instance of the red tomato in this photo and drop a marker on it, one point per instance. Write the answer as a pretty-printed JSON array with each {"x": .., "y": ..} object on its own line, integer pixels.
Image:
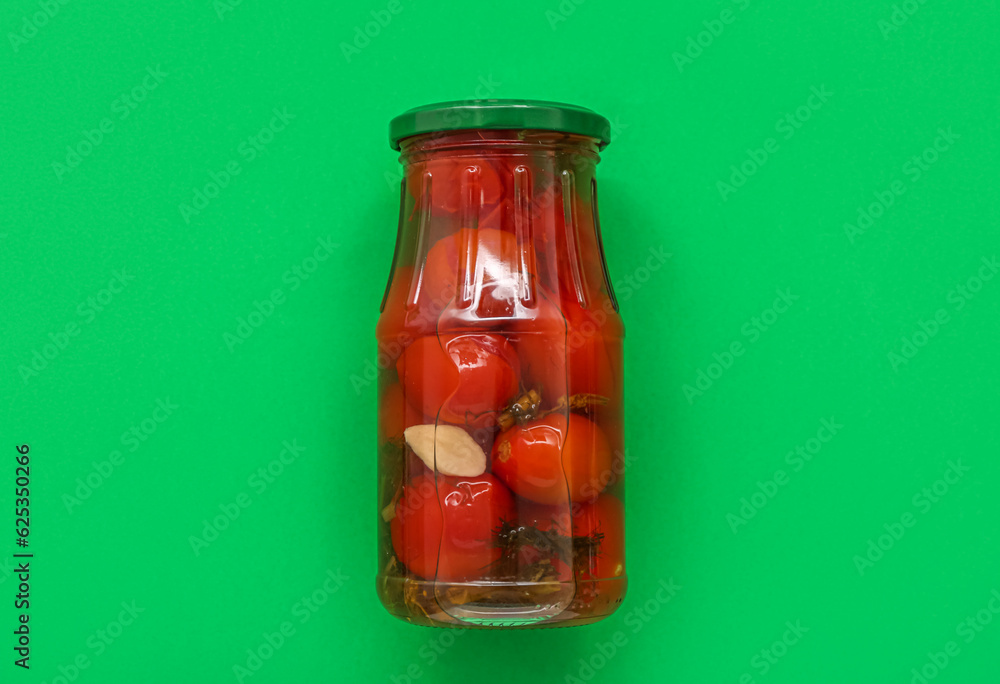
[
  {"x": 577, "y": 360},
  {"x": 474, "y": 267},
  {"x": 498, "y": 217},
  {"x": 447, "y": 532},
  {"x": 454, "y": 182},
  {"x": 568, "y": 249},
  {"x": 399, "y": 320},
  {"x": 553, "y": 460},
  {"x": 591, "y": 366},
  {"x": 462, "y": 379},
  {"x": 604, "y": 516},
  {"x": 395, "y": 414}
]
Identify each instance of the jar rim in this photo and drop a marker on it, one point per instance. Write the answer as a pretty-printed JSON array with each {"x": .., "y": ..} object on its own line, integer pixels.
[{"x": 498, "y": 115}]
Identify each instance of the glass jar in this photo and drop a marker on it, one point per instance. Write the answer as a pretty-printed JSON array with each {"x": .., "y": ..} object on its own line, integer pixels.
[{"x": 500, "y": 387}]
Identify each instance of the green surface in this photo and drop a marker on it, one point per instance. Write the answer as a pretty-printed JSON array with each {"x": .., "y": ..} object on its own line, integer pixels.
[{"x": 186, "y": 404}]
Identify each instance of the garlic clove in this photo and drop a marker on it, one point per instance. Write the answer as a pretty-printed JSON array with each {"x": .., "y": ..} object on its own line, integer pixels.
[{"x": 453, "y": 448}]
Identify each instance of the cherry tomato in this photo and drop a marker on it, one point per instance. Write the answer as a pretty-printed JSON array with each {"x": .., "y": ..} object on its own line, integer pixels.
[
  {"x": 400, "y": 320},
  {"x": 568, "y": 249},
  {"x": 553, "y": 460},
  {"x": 475, "y": 267},
  {"x": 576, "y": 360},
  {"x": 591, "y": 361},
  {"x": 454, "y": 182},
  {"x": 498, "y": 217},
  {"x": 395, "y": 414},
  {"x": 447, "y": 531},
  {"x": 606, "y": 557},
  {"x": 462, "y": 379}
]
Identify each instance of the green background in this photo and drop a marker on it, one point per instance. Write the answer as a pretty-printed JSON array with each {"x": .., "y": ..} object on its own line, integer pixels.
[{"x": 329, "y": 174}]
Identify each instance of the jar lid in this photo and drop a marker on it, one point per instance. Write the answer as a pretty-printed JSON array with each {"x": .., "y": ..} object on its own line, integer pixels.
[{"x": 499, "y": 114}]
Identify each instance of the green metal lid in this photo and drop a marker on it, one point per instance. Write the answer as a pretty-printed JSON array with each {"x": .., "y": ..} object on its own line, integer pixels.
[{"x": 499, "y": 114}]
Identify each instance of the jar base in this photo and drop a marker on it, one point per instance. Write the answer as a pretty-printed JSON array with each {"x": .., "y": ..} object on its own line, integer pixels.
[{"x": 500, "y": 605}]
